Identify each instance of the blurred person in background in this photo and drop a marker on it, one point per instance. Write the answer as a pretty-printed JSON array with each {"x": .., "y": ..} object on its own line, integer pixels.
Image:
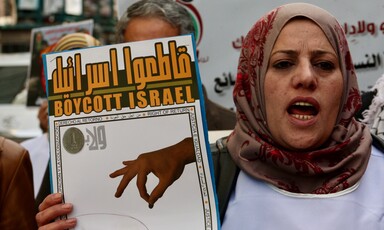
[
  {"x": 150, "y": 19},
  {"x": 38, "y": 147},
  {"x": 17, "y": 203}
]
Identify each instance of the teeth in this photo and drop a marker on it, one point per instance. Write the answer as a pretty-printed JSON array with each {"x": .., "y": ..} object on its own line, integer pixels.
[
  {"x": 303, "y": 104},
  {"x": 302, "y": 117}
]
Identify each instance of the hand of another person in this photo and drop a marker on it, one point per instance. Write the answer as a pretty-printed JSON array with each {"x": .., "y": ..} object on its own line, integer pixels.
[
  {"x": 52, "y": 208},
  {"x": 167, "y": 164},
  {"x": 43, "y": 116}
]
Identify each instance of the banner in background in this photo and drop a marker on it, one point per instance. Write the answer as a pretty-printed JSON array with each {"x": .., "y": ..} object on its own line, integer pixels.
[{"x": 222, "y": 25}]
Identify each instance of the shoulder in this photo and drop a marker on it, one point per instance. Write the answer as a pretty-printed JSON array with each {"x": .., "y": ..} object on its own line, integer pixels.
[
  {"x": 36, "y": 142},
  {"x": 17, "y": 204},
  {"x": 219, "y": 117},
  {"x": 12, "y": 152},
  {"x": 13, "y": 158},
  {"x": 378, "y": 144},
  {"x": 37, "y": 147},
  {"x": 375, "y": 169},
  {"x": 221, "y": 157},
  {"x": 226, "y": 173},
  {"x": 366, "y": 98}
]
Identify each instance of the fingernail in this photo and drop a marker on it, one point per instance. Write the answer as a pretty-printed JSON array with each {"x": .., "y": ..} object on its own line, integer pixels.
[
  {"x": 67, "y": 206},
  {"x": 71, "y": 221},
  {"x": 57, "y": 196}
]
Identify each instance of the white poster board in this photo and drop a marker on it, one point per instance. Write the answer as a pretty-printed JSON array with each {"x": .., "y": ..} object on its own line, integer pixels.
[{"x": 112, "y": 104}]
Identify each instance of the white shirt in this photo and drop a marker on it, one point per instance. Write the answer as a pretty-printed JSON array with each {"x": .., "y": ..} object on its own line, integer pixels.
[
  {"x": 38, "y": 149},
  {"x": 257, "y": 205}
]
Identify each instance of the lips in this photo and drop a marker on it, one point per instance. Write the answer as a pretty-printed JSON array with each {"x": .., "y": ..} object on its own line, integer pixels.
[{"x": 303, "y": 109}]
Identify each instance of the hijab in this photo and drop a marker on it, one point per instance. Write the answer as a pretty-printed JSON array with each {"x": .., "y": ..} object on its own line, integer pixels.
[{"x": 341, "y": 161}]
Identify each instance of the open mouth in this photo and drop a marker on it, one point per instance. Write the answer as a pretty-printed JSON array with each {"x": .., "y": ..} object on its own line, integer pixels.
[{"x": 303, "y": 110}]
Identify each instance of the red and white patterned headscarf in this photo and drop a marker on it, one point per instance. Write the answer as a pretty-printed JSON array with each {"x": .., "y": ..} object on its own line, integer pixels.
[{"x": 336, "y": 165}]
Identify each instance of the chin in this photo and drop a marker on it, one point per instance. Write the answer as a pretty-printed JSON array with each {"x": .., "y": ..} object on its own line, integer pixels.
[{"x": 301, "y": 146}]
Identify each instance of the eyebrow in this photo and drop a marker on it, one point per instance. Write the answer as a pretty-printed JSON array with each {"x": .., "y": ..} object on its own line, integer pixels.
[
  {"x": 313, "y": 53},
  {"x": 288, "y": 52},
  {"x": 323, "y": 52}
]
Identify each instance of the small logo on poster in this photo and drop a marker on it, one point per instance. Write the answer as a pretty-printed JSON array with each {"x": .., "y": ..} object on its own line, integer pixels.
[{"x": 73, "y": 140}]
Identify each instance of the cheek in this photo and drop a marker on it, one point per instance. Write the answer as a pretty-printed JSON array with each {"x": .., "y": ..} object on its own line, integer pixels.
[
  {"x": 334, "y": 94},
  {"x": 272, "y": 95},
  {"x": 336, "y": 89},
  {"x": 274, "y": 90}
]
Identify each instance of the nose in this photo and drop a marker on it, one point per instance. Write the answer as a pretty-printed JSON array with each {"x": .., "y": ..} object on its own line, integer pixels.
[{"x": 305, "y": 76}]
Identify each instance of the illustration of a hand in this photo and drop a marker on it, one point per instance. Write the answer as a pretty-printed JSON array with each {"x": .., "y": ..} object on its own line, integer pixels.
[{"x": 166, "y": 164}]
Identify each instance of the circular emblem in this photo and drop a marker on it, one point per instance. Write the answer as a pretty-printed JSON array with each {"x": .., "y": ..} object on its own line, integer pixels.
[{"x": 73, "y": 140}]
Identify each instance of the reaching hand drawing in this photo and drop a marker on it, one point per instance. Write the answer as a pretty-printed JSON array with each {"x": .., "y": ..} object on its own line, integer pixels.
[{"x": 166, "y": 164}]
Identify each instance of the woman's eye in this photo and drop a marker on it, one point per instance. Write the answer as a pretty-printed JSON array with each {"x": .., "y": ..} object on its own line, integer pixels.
[
  {"x": 325, "y": 65},
  {"x": 282, "y": 65}
]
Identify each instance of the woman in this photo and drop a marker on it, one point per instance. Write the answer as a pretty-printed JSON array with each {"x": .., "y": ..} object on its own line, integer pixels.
[
  {"x": 298, "y": 158},
  {"x": 302, "y": 155}
]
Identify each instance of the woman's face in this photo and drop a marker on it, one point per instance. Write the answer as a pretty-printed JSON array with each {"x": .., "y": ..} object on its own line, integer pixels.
[{"x": 303, "y": 87}]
